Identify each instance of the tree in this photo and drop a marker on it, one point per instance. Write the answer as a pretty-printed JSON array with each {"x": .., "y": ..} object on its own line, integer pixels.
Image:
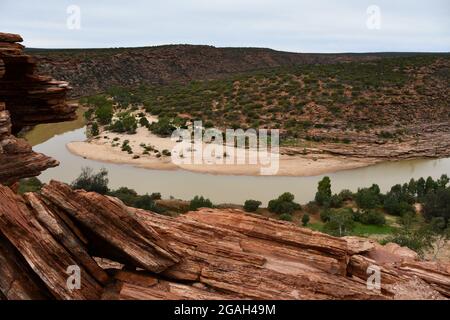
[
  {"x": 340, "y": 223},
  {"x": 305, "y": 219},
  {"x": 417, "y": 239},
  {"x": 443, "y": 181},
  {"x": 368, "y": 198},
  {"x": 437, "y": 205},
  {"x": 430, "y": 185},
  {"x": 323, "y": 194},
  {"x": 90, "y": 181},
  {"x": 420, "y": 188},
  {"x": 252, "y": 205},
  {"x": 104, "y": 112},
  {"x": 199, "y": 202},
  {"x": 395, "y": 206},
  {"x": 283, "y": 204}
]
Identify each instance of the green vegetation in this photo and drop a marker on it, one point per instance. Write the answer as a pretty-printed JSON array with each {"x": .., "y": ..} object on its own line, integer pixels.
[
  {"x": 340, "y": 222},
  {"x": 287, "y": 97},
  {"x": 126, "y": 147},
  {"x": 126, "y": 122},
  {"x": 98, "y": 182},
  {"x": 29, "y": 185},
  {"x": 132, "y": 199},
  {"x": 285, "y": 217},
  {"x": 94, "y": 129},
  {"x": 437, "y": 205},
  {"x": 199, "y": 202},
  {"x": 252, "y": 205},
  {"x": 164, "y": 127},
  {"x": 90, "y": 181},
  {"x": 284, "y": 204},
  {"x": 372, "y": 207},
  {"x": 323, "y": 195},
  {"x": 305, "y": 219}
]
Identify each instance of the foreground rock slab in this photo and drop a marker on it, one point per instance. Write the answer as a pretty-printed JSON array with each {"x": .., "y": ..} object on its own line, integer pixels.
[{"x": 206, "y": 254}]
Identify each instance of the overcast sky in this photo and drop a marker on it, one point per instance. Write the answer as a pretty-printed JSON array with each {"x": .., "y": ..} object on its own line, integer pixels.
[{"x": 291, "y": 25}]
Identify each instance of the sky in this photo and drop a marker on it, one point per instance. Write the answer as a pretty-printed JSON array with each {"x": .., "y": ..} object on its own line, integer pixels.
[{"x": 288, "y": 25}]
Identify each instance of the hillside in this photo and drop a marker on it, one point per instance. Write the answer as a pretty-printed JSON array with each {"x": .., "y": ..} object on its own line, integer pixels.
[
  {"x": 385, "y": 108},
  {"x": 95, "y": 70}
]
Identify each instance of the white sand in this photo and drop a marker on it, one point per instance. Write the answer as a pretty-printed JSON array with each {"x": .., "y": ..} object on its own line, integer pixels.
[{"x": 299, "y": 165}]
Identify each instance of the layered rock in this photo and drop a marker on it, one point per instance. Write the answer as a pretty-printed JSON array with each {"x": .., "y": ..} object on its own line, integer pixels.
[
  {"x": 31, "y": 99},
  {"x": 207, "y": 254},
  {"x": 26, "y": 99}
]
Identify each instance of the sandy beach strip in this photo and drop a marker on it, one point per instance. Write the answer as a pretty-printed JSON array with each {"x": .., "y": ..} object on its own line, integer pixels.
[{"x": 298, "y": 165}]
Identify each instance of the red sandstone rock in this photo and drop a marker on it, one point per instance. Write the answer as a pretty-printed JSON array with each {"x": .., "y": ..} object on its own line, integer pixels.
[{"x": 25, "y": 100}]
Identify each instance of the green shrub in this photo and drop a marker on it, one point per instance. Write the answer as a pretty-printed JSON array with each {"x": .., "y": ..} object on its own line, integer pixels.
[
  {"x": 90, "y": 181},
  {"x": 126, "y": 123},
  {"x": 199, "y": 202},
  {"x": 285, "y": 217},
  {"x": 370, "y": 217},
  {"x": 305, "y": 219},
  {"x": 29, "y": 185},
  {"x": 284, "y": 204},
  {"x": 163, "y": 127},
  {"x": 252, "y": 205},
  {"x": 368, "y": 198},
  {"x": 437, "y": 205},
  {"x": 104, "y": 112},
  {"x": 94, "y": 129},
  {"x": 144, "y": 122}
]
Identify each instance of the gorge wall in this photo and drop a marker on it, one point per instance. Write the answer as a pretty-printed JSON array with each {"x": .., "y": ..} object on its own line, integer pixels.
[
  {"x": 92, "y": 71},
  {"x": 26, "y": 99}
]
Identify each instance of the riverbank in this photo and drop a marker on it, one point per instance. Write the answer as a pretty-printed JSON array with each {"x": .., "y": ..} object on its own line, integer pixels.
[{"x": 107, "y": 148}]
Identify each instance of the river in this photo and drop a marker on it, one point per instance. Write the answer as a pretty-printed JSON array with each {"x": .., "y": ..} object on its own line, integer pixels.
[{"x": 51, "y": 139}]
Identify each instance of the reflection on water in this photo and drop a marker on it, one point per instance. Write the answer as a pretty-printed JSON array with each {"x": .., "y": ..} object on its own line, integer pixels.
[{"x": 230, "y": 189}]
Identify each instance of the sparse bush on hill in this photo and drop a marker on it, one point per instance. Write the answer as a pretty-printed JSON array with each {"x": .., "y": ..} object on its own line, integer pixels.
[
  {"x": 252, "y": 205},
  {"x": 199, "y": 202}
]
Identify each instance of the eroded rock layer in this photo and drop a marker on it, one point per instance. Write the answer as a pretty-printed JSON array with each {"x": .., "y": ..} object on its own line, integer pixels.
[
  {"x": 31, "y": 99},
  {"x": 26, "y": 99},
  {"x": 207, "y": 254}
]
